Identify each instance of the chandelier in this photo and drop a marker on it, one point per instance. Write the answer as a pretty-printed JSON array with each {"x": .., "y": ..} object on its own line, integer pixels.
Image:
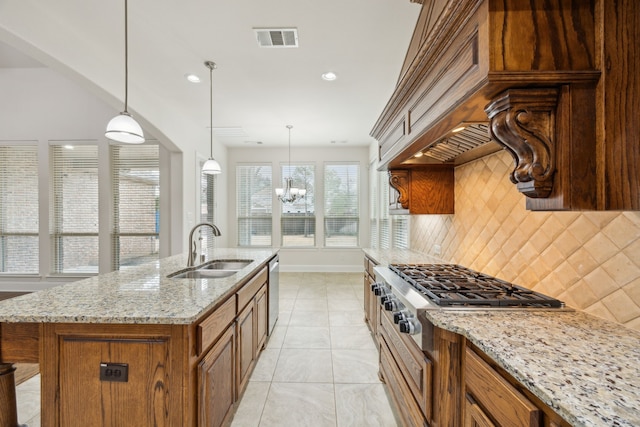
[{"x": 289, "y": 193}]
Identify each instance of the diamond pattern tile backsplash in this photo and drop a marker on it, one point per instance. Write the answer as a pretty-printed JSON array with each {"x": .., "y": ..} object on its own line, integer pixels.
[{"x": 589, "y": 260}]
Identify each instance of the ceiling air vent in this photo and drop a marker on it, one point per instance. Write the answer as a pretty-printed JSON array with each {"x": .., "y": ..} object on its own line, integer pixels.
[{"x": 277, "y": 37}]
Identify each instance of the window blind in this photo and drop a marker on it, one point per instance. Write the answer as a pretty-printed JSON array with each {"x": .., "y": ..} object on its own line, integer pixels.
[
  {"x": 373, "y": 206},
  {"x": 341, "y": 202},
  {"x": 74, "y": 209},
  {"x": 208, "y": 186},
  {"x": 384, "y": 223},
  {"x": 298, "y": 220},
  {"x": 400, "y": 226},
  {"x": 19, "y": 209},
  {"x": 254, "y": 198},
  {"x": 135, "y": 182}
]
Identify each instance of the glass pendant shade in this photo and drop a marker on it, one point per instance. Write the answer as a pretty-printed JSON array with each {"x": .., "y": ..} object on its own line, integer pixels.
[
  {"x": 211, "y": 167},
  {"x": 123, "y": 128}
]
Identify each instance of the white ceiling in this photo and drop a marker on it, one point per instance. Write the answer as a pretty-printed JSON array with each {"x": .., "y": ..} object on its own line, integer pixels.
[{"x": 256, "y": 89}]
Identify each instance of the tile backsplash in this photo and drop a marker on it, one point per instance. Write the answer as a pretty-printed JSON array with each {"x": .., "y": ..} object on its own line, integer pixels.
[{"x": 589, "y": 260}]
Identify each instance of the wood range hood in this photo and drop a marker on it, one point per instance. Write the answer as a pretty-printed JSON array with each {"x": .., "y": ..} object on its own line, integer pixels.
[{"x": 524, "y": 76}]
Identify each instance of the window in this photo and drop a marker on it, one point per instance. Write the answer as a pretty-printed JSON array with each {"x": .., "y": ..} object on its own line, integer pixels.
[
  {"x": 373, "y": 206},
  {"x": 341, "y": 204},
  {"x": 400, "y": 227},
  {"x": 208, "y": 185},
  {"x": 384, "y": 223},
  {"x": 254, "y": 200},
  {"x": 298, "y": 220},
  {"x": 135, "y": 178},
  {"x": 387, "y": 231},
  {"x": 19, "y": 209},
  {"x": 74, "y": 209}
]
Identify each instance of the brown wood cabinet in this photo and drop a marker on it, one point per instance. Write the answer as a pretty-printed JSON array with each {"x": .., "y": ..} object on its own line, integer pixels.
[
  {"x": 217, "y": 382},
  {"x": 493, "y": 398},
  {"x": 371, "y": 306},
  {"x": 252, "y": 326},
  {"x": 497, "y": 399},
  {"x": 414, "y": 365},
  {"x": 424, "y": 190}
]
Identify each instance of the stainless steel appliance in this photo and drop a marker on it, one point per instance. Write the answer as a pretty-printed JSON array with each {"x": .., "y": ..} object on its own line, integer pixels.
[
  {"x": 274, "y": 292},
  {"x": 409, "y": 290}
]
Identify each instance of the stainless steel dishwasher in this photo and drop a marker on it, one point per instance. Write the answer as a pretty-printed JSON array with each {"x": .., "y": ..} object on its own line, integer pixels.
[{"x": 274, "y": 294}]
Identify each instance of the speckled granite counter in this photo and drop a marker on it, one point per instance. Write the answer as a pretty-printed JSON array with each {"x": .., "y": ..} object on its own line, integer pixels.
[
  {"x": 585, "y": 368},
  {"x": 139, "y": 295}
]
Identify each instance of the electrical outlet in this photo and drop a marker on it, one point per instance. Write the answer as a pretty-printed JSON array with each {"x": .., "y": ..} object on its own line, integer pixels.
[
  {"x": 437, "y": 249},
  {"x": 118, "y": 372}
]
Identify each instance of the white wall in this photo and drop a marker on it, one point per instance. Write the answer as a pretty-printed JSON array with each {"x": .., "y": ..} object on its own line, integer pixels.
[{"x": 306, "y": 259}]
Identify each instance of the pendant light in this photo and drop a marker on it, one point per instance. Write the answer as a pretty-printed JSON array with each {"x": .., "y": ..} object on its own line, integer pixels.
[
  {"x": 123, "y": 127},
  {"x": 289, "y": 193},
  {"x": 211, "y": 166}
]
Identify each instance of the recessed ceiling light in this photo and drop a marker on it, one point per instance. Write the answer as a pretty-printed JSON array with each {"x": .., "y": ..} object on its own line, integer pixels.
[
  {"x": 329, "y": 76},
  {"x": 418, "y": 154},
  {"x": 192, "y": 78}
]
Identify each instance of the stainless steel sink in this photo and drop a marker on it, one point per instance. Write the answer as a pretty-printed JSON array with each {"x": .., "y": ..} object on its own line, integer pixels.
[
  {"x": 226, "y": 264},
  {"x": 214, "y": 269},
  {"x": 203, "y": 274}
]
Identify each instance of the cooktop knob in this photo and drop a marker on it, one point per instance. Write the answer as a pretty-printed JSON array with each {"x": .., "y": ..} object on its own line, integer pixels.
[
  {"x": 391, "y": 304},
  {"x": 405, "y": 326},
  {"x": 410, "y": 326},
  {"x": 398, "y": 316}
]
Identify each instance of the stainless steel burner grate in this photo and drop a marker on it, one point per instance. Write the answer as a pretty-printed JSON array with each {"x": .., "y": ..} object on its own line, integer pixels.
[{"x": 454, "y": 285}]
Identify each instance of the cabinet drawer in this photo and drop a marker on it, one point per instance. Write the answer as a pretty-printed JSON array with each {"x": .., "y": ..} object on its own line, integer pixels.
[
  {"x": 251, "y": 288},
  {"x": 415, "y": 366},
  {"x": 499, "y": 399},
  {"x": 406, "y": 405},
  {"x": 213, "y": 325},
  {"x": 368, "y": 265}
]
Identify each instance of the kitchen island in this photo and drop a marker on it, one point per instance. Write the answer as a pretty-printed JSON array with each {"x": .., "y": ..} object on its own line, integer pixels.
[
  {"x": 134, "y": 346},
  {"x": 585, "y": 369}
]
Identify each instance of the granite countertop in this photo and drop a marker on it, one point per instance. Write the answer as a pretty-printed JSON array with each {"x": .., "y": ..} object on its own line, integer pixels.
[
  {"x": 585, "y": 368},
  {"x": 137, "y": 295}
]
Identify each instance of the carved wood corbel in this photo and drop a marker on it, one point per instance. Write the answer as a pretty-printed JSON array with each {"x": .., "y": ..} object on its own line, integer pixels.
[
  {"x": 399, "y": 179},
  {"x": 523, "y": 122}
]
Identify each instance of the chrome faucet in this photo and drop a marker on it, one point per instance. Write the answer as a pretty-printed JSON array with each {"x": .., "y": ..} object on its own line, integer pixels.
[{"x": 193, "y": 252}]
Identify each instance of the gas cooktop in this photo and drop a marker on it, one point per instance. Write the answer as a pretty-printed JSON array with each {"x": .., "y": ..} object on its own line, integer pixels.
[{"x": 451, "y": 285}]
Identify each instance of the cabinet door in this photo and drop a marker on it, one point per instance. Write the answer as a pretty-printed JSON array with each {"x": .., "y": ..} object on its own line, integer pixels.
[
  {"x": 246, "y": 345},
  {"x": 373, "y": 310},
  {"x": 216, "y": 382},
  {"x": 474, "y": 416},
  {"x": 262, "y": 318}
]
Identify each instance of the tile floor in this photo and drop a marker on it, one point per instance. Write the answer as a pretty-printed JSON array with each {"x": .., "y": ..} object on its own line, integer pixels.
[{"x": 320, "y": 366}]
